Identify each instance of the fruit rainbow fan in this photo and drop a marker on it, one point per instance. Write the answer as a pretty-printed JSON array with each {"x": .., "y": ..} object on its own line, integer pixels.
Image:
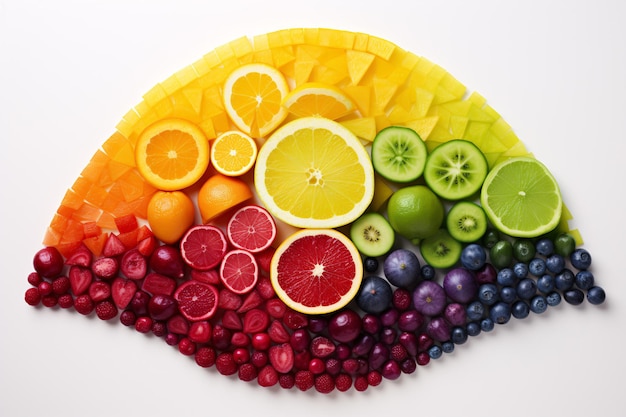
[{"x": 316, "y": 209}]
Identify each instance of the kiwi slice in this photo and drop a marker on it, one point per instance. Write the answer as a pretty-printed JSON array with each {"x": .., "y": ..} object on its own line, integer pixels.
[
  {"x": 441, "y": 250},
  {"x": 456, "y": 169},
  {"x": 372, "y": 234},
  {"x": 399, "y": 154},
  {"x": 466, "y": 221}
]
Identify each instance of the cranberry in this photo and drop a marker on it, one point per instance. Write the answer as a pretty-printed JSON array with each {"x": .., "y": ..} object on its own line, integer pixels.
[
  {"x": 143, "y": 324},
  {"x": 128, "y": 318}
]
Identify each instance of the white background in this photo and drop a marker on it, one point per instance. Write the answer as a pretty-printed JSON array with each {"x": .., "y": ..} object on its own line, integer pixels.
[{"x": 69, "y": 70}]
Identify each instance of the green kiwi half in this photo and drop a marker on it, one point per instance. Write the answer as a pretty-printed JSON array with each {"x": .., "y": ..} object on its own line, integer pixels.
[
  {"x": 441, "y": 250},
  {"x": 466, "y": 221},
  {"x": 399, "y": 154},
  {"x": 372, "y": 234},
  {"x": 456, "y": 169}
]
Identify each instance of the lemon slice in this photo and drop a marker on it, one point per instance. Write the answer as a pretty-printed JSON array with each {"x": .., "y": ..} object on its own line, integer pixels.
[
  {"x": 318, "y": 99},
  {"x": 233, "y": 153},
  {"x": 314, "y": 173},
  {"x": 522, "y": 198}
]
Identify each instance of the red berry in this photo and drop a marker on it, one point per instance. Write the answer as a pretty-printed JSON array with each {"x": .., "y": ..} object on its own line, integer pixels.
[
  {"x": 186, "y": 346},
  {"x": 143, "y": 324},
  {"x": 205, "y": 357},
  {"x": 49, "y": 300},
  {"x": 61, "y": 285},
  {"x": 259, "y": 359},
  {"x": 304, "y": 380},
  {"x": 401, "y": 299},
  {"x": 268, "y": 376},
  {"x": 360, "y": 383},
  {"x": 247, "y": 372},
  {"x": 66, "y": 301},
  {"x": 159, "y": 329},
  {"x": 343, "y": 382},
  {"x": 84, "y": 304},
  {"x": 423, "y": 358},
  {"x": 99, "y": 291},
  {"x": 324, "y": 383},
  {"x": 286, "y": 381},
  {"x": 128, "y": 318},
  {"x": 48, "y": 262},
  {"x": 317, "y": 366},
  {"x": 261, "y": 341},
  {"x": 398, "y": 352},
  {"x": 106, "y": 310},
  {"x": 241, "y": 355},
  {"x": 45, "y": 288},
  {"x": 34, "y": 279},
  {"x": 374, "y": 378},
  {"x": 32, "y": 296},
  {"x": 225, "y": 364}
]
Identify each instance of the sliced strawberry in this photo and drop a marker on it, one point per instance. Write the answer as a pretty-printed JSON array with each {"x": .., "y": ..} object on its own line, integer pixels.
[
  {"x": 105, "y": 268},
  {"x": 126, "y": 223},
  {"x": 264, "y": 258},
  {"x": 177, "y": 324},
  {"x": 122, "y": 291},
  {"x": 147, "y": 245},
  {"x": 144, "y": 232},
  {"x": 212, "y": 276},
  {"x": 134, "y": 265},
  {"x": 277, "y": 332},
  {"x": 295, "y": 320},
  {"x": 255, "y": 320},
  {"x": 129, "y": 239},
  {"x": 158, "y": 284},
  {"x": 276, "y": 308},
  {"x": 200, "y": 331},
  {"x": 99, "y": 291},
  {"x": 252, "y": 300},
  {"x": 228, "y": 300},
  {"x": 267, "y": 377},
  {"x": 80, "y": 257},
  {"x": 231, "y": 320},
  {"x": 113, "y": 246},
  {"x": 265, "y": 288},
  {"x": 239, "y": 339},
  {"x": 80, "y": 279},
  {"x": 281, "y": 357}
]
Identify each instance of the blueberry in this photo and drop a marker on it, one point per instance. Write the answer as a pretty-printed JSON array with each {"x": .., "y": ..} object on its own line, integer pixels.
[
  {"x": 434, "y": 352},
  {"x": 584, "y": 279},
  {"x": 520, "y": 270},
  {"x": 506, "y": 277},
  {"x": 487, "y": 324},
  {"x": 555, "y": 263},
  {"x": 428, "y": 272},
  {"x": 488, "y": 294},
  {"x": 538, "y": 304},
  {"x": 500, "y": 312},
  {"x": 526, "y": 288},
  {"x": 564, "y": 280},
  {"x": 375, "y": 295},
  {"x": 458, "y": 335},
  {"x": 537, "y": 266},
  {"x": 553, "y": 299},
  {"x": 580, "y": 258},
  {"x": 596, "y": 295},
  {"x": 447, "y": 347},
  {"x": 520, "y": 309},
  {"x": 473, "y": 257},
  {"x": 473, "y": 328},
  {"x": 508, "y": 294},
  {"x": 544, "y": 247},
  {"x": 370, "y": 264},
  {"x": 475, "y": 310},
  {"x": 574, "y": 296},
  {"x": 545, "y": 283}
]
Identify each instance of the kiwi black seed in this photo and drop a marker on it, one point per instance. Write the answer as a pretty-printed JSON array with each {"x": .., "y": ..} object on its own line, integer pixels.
[
  {"x": 399, "y": 154},
  {"x": 372, "y": 234},
  {"x": 441, "y": 250},
  {"x": 466, "y": 221},
  {"x": 456, "y": 169}
]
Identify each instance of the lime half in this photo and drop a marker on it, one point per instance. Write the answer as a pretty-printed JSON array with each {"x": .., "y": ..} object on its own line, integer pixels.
[{"x": 521, "y": 198}]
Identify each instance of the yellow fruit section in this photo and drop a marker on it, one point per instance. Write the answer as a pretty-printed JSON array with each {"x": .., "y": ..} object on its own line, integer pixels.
[{"x": 388, "y": 86}]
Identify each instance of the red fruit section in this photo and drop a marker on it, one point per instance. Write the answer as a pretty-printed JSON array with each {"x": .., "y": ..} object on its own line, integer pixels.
[
  {"x": 196, "y": 300},
  {"x": 203, "y": 247},
  {"x": 239, "y": 271},
  {"x": 251, "y": 228}
]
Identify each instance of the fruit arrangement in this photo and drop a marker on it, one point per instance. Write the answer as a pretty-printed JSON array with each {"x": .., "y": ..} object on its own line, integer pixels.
[{"x": 316, "y": 209}]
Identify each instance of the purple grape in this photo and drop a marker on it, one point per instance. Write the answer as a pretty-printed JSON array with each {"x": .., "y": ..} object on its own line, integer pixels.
[
  {"x": 459, "y": 285},
  {"x": 486, "y": 275},
  {"x": 345, "y": 326},
  {"x": 455, "y": 314},
  {"x": 429, "y": 298},
  {"x": 410, "y": 320},
  {"x": 378, "y": 355},
  {"x": 438, "y": 329}
]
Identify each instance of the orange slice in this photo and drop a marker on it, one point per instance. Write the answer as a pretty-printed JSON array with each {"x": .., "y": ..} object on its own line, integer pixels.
[
  {"x": 233, "y": 153},
  {"x": 253, "y": 96},
  {"x": 172, "y": 154},
  {"x": 317, "y": 99}
]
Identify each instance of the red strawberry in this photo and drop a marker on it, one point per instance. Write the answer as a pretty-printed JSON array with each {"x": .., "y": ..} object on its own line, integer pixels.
[
  {"x": 122, "y": 291},
  {"x": 177, "y": 324},
  {"x": 200, "y": 331},
  {"x": 106, "y": 310},
  {"x": 83, "y": 304},
  {"x": 32, "y": 296},
  {"x": 324, "y": 383},
  {"x": 304, "y": 380},
  {"x": 228, "y": 300},
  {"x": 252, "y": 300},
  {"x": 80, "y": 257},
  {"x": 134, "y": 265},
  {"x": 247, "y": 372},
  {"x": 281, "y": 357},
  {"x": 255, "y": 321},
  {"x": 61, "y": 285},
  {"x": 211, "y": 276},
  {"x": 158, "y": 284},
  {"x": 231, "y": 320},
  {"x": 225, "y": 364},
  {"x": 105, "y": 268},
  {"x": 277, "y": 332},
  {"x": 147, "y": 245},
  {"x": 205, "y": 357},
  {"x": 99, "y": 291},
  {"x": 80, "y": 279},
  {"x": 276, "y": 308},
  {"x": 265, "y": 288},
  {"x": 267, "y": 376},
  {"x": 113, "y": 246}
]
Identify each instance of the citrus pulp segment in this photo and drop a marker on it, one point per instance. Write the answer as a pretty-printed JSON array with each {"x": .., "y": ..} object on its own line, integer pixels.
[
  {"x": 316, "y": 271},
  {"x": 317, "y": 99},
  {"x": 172, "y": 154},
  {"x": 196, "y": 300},
  {"x": 314, "y": 173},
  {"x": 239, "y": 271},
  {"x": 253, "y": 96},
  {"x": 522, "y": 198},
  {"x": 203, "y": 247},
  {"x": 233, "y": 153}
]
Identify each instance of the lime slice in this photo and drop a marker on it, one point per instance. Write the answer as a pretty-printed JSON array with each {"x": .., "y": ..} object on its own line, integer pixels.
[{"x": 521, "y": 198}]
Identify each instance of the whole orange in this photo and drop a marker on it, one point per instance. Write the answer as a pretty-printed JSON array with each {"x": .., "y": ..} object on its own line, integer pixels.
[
  {"x": 219, "y": 194},
  {"x": 170, "y": 214}
]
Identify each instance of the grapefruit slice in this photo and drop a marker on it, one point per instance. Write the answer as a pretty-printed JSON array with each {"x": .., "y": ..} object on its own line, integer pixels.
[
  {"x": 239, "y": 271},
  {"x": 251, "y": 228},
  {"x": 203, "y": 247},
  {"x": 196, "y": 300},
  {"x": 316, "y": 271}
]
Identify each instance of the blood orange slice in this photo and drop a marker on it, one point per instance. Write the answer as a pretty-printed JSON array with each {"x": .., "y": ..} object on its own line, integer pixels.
[
  {"x": 316, "y": 271},
  {"x": 251, "y": 228},
  {"x": 239, "y": 271},
  {"x": 196, "y": 300},
  {"x": 203, "y": 246}
]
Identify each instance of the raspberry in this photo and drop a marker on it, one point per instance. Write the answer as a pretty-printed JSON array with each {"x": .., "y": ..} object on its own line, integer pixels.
[
  {"x": 83, "y": 304},
  {"x": 398, "y": 352},
  {"x": 34, "y": 279},
  {"x": 343, "y": 382},
  {"x": 259, "y": 359},
  {"x": 49, "y": 300},
  {"x": 32, "y": 296},
  {"x": 66, "y": 301},
  {"x": 401, "y": 299},
  {"x": 61, "y": 285},
  {"x": 324, "y": 383},
  {"x": 159, "y": 329},
  {"x": 106, "y": 310},
  {"x": 268, "y": 377},
  {"x": 360, "y": 383},
  {"x": 286, "y": 381},
  {"x": 247, "y": 372},
  {"x": 225, "y": 364},
  {"x": 333, "y": 366},
  {"x": 128, "y": 318},
  {"x": 205, "y": 357},
  {"x": 374, "y": 378},
  {"x": 304, "y": 380}
]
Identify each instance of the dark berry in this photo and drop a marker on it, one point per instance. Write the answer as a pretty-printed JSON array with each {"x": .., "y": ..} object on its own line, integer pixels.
[
  {"x": 596, "y": 295},
  {"x": 580, "y": 259},
  {"x": 370, "y": 264},
  {"x": 574, "y": 296}
]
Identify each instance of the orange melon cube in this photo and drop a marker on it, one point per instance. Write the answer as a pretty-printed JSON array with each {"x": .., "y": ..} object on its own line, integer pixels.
[
  {"x": 91, "y": 229},
  {"x": 96, "y": 243}
]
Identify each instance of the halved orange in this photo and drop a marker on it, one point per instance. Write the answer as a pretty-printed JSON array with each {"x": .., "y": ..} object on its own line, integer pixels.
[
  {"x": 233, "y": 153},
  {"x": 318, "y": 99},
  {"x": 316, "y": 271},
  {"x": 172, "y": 154},
  {"x": 253, "y": 96}
]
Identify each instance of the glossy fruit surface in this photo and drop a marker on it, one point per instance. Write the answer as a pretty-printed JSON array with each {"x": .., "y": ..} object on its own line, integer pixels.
[
  {"x": 415, "y": 212},
  {"x": 399, "y": 154},
  {"x": 219, "y": 194},
  {"x": 402, "y": 268},
  {"x": 374, "y": 295},
  {"x": 170, "y": 214}
]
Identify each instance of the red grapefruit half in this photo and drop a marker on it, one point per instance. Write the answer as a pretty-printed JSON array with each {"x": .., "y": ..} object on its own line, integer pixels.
[
  {"x": 203, "y": 246},
  {"x": 251, "y": 228},
  {"x": 239, "y": 271},
  {"x": 316, "y": 271},
  {"x": 196, "y": 300}
]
